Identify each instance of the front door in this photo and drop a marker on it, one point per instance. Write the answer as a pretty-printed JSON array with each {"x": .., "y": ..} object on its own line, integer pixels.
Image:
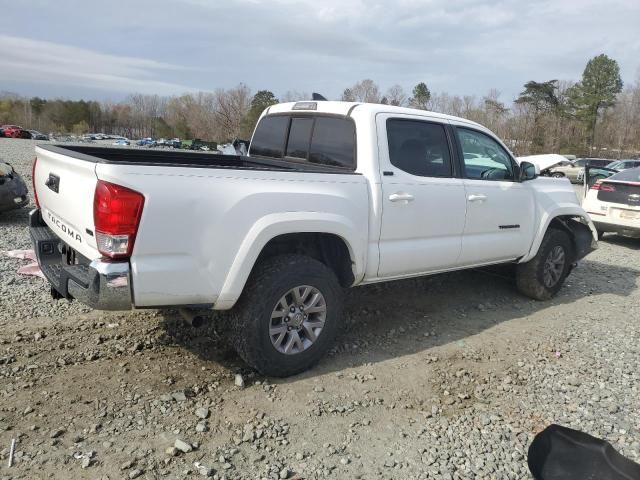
[
  {"x": 500, "y": 209},
  {"x": 423, "y": 204}
]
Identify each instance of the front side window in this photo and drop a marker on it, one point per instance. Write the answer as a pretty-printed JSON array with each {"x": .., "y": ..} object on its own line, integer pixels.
[
  {"x": 419, "y": 148},
  {"x": 484, "y": 158}
]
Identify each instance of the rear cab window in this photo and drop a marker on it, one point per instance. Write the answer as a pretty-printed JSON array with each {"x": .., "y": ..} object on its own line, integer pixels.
[{"x": 312, "y": 139}]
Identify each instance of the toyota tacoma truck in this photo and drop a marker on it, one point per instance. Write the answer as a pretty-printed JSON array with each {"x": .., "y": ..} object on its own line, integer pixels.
[{"x": 331, "y": 195}]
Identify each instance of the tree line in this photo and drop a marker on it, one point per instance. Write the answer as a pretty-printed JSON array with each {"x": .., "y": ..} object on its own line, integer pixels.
[{"x": 596, "y": 115}]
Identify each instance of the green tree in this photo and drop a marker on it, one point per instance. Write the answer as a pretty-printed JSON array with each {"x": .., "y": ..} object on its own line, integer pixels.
[
  {"x": 541, "y": 98},
  {"x": 421, "y": 96},
  {"x": 597, "y": 90},
  {"x": 260, "y": 101}
]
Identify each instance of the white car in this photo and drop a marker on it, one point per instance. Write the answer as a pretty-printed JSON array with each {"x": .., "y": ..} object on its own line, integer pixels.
[
  {"x": 614, "y": 203},
  {"x": 331, "y": 195}
]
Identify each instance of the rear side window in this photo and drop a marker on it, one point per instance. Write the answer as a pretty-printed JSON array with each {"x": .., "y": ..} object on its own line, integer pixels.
[
  {"x": 419, "y": 148},
  {"x": 269, "y": 138},
  {"x": 320, "y": 140}
]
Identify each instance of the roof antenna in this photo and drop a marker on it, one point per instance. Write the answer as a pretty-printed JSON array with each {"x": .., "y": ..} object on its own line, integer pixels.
[{"x": 317, "y": 96}]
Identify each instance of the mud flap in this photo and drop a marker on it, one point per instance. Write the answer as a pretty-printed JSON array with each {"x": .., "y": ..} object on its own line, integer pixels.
[{"x": 582, "y": 238}]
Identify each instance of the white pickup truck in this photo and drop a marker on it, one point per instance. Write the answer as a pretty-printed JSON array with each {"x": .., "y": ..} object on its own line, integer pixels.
[{"x": 331, "y": 195}]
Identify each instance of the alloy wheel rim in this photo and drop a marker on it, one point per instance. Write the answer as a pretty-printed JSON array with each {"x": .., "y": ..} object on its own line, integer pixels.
[
  {"x": 554, "y": 266},
  {"x": 297, "y": 320}
]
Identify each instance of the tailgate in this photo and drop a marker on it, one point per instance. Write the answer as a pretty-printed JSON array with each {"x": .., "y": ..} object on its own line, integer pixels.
[{"x": 65, "y": 186}]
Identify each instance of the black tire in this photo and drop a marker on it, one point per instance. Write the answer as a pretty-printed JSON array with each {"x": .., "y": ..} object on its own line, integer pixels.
[
  {"x": 600, "y": 234},
  {"x": 530, "y": 276},
  {"x": 557, "y": 175},
  {"x": 251, "y": 317}
]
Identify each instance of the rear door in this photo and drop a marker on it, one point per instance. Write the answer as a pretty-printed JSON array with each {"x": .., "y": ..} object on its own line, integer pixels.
[
  {"x": 65, "y": 188},
  {"x": 423, "y": 204},
  {"x": 500, "y": 210}
]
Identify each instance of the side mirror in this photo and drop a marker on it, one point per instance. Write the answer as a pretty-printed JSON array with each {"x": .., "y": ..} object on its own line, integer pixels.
[{"x": 528, "y": 171}]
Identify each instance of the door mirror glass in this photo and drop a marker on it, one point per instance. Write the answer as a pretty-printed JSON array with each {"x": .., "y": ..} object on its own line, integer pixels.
[{"x": 528, "y": 171}]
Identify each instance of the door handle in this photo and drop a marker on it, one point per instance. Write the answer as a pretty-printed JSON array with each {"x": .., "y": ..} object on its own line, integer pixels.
[
  {"x": 477, "y": 198},
  {"x": 401, "y": 197}
]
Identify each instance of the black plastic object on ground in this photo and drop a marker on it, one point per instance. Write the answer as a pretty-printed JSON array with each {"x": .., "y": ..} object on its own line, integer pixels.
[{"x": 560, "y": 453}]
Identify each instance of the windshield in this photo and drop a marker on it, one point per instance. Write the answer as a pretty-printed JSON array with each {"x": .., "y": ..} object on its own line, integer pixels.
[
  {"x": 616, "y": 164},
  {"x": 581, "y": 163}
]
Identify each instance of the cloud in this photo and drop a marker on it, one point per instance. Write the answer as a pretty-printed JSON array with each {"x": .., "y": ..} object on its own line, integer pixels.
[
  {"x": 24, "y": 59},
  {"x": 171, "y": 46}
]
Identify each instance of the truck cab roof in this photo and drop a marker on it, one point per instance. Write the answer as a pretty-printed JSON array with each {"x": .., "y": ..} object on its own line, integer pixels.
[{"x": 347, "y": 108}]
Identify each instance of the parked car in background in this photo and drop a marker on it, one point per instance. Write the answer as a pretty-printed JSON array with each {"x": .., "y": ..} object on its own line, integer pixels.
[
  {"x": 14, "y": 131},
  {"x": 624, "y": 164},
  {"x": 13, "y": 190},
  {"x": 572, "y": 169},
  {"x": 123, "y": 142},
  {"x": 331, "y": 195},
  {"x": 613, "y": 201},
  {"x": 617, "y": 165},
  {"x": 146, "y": 142},
  {"x": 36, "y": 135}
]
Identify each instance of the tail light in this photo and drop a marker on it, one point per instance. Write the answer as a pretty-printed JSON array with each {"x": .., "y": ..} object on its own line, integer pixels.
[
  {"x": 603, "y": 187},
  {"x": 116, "y": 216},
  {"x": 33, "y": 182}
]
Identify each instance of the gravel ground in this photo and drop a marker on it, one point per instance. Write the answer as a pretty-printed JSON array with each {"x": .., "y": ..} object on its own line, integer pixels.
[{"x": 447, "y": 377}]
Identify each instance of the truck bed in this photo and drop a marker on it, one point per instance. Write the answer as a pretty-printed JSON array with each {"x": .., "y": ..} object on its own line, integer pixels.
[{"x": 180, "y": 158}]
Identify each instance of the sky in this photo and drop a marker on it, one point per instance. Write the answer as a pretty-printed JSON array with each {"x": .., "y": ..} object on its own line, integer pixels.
[{"x": 107, "y": 50}]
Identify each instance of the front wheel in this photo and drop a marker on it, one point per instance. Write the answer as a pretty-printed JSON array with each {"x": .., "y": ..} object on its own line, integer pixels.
[
  {"x": 542, "y": 276},
  {"x": 557, "y": 175},
  {"x": 288, "y": 315}
]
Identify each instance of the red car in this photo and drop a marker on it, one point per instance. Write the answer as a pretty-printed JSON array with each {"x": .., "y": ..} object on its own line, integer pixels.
[{"x": 14, "y": 131}]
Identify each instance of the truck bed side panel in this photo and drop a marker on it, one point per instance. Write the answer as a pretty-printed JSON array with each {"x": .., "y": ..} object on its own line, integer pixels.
[{"x": 199, "y": 223}]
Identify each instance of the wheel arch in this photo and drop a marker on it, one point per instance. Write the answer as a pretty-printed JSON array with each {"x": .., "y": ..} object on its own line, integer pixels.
[
  {"x": 576, "y": 223},
  {"x": 330, "y": 239}
]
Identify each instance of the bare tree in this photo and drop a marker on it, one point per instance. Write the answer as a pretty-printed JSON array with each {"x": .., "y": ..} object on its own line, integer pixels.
[
  {"x": 231, "y": 106},
  {"x": 294, "y": 96},
  {"x": 365, "y": 91},
  {"x": 396, "y": 95}
]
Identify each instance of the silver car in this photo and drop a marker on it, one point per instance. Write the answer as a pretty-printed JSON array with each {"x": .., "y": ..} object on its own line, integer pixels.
[{"x": 574, "y": 171}]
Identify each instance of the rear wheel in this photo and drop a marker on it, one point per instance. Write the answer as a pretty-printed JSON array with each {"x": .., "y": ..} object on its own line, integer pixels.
[
  {"x": 557, "y": 175},
  {"x": 542, "y": 277},
  {"x": 288, "y": 315}
]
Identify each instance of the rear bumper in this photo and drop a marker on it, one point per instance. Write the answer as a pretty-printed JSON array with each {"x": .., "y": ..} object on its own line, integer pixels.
[
  {"x": 626, "y": 230},
  {"x": 98, "y": 284}
]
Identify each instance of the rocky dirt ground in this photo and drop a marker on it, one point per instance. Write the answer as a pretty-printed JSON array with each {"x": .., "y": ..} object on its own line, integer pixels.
[{"x": 447, "y": 377}]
